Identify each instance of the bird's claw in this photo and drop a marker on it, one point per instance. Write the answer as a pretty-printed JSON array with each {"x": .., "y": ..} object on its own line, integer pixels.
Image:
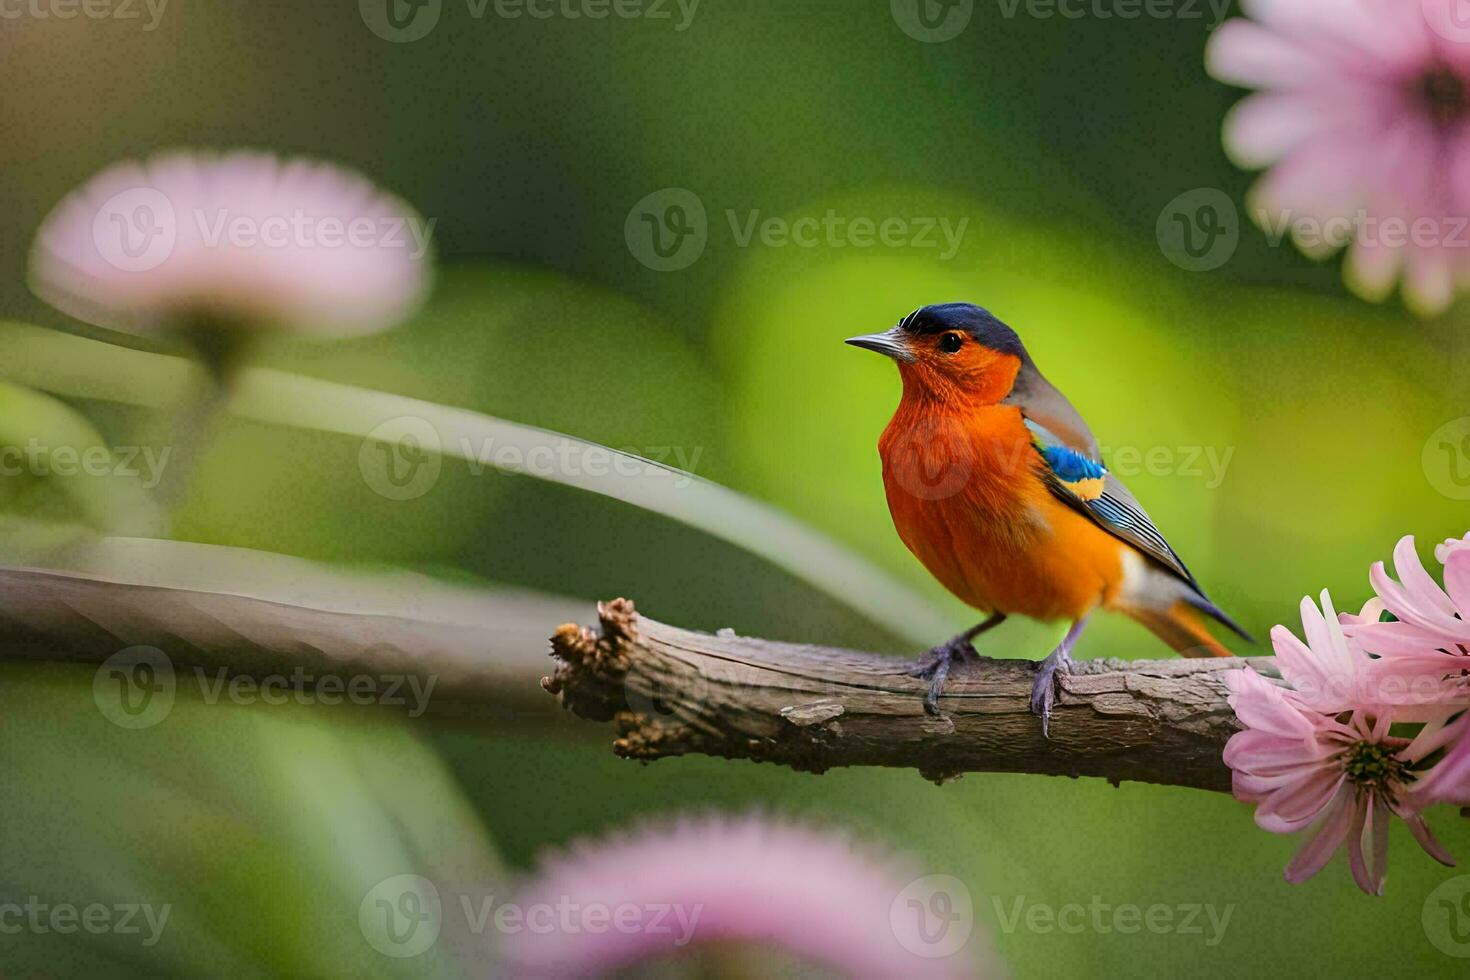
[
  {"x": 1044, "y": 688},
  {"x": 934, "y": 667}
]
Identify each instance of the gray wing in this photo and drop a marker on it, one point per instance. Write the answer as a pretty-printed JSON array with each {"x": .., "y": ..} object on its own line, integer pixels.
[{"x": 1074, "y": 472}]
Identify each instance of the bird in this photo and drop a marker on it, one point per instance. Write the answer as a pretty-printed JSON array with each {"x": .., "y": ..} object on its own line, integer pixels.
[{"x": 997, "y": 486}]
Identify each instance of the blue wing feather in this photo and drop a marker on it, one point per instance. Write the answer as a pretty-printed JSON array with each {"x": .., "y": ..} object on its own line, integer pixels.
[{"x": 1086, "y": 484}]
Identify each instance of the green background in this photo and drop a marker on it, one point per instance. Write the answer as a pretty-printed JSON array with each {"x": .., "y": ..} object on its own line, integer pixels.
[{"x": 1059, "y": 142}]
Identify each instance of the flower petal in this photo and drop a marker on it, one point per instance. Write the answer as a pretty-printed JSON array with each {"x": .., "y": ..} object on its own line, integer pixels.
[
  {"x": 1457, "y": 580},
  {"x": 1325, "y": 840},
  {"x": 1363, "y": 872},
  {"x": 1427, "y": 840}
]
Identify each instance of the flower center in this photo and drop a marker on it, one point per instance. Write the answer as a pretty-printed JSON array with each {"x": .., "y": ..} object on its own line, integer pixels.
[
  {"x": 1370, "y": 765},
  {"x": 1443, "y": 94}
]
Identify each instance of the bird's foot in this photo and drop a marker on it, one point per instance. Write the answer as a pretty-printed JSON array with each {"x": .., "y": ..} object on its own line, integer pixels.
[
  {"x": 1044, "y": 689},
  {"x": 934, "y": 667}
]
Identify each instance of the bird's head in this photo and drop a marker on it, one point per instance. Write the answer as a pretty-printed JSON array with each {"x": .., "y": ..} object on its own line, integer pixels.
[{"x": 951, "y": 351}]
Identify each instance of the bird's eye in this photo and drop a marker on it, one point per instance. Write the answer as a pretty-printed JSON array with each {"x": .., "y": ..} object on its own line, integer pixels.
[{"x": 951, "y": 342}]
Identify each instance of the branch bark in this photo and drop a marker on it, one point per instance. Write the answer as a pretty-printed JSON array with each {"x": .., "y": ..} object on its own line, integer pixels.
[{"x": 672, "y": 692}]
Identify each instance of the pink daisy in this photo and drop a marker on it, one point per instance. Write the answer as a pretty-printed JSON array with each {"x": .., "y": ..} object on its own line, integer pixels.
[
  {"x": 1327, "y": 673},
  {"x": 1361, "y": 115},
  {"x": 1343, "y": 774},
  {"x": 240, "y": 240},
  {"x": 748, "y": 880},
  {"x": 1426, "y": 652}
]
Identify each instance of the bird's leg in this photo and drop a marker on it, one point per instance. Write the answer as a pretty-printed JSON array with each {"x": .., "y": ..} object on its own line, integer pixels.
[
  {"x": 1044, "y": 690},
  {"x": 934, "y": 665}
]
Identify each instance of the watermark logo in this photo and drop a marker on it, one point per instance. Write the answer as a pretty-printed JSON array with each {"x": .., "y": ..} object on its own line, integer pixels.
[
  {"x": 136, "y": 230},
  {"x": 139, "y": 229},
  {"x": 134, "y": 688},
  {"x": 405, "y": 21},
  {"x": 67, "y": 918},
  {"x": 401, "y": 916},
  {"x": 834, "y": 231},
  {"x": 1206, "y": 463},
  {"x": 122, "y": 10},
  {"x": 1446, "y": 459},
  {"x": 400, "y": 21},
  {"x": 401, "y": 458},
  {"x": 1316, "y": 235},
  {"x": 1450, "y": 19},
  {"x": 933, "y": 916},
  {"x": 1446, "y": 917},
  {"x": 36, "y": 458},
  {"x": 404, "y": 916},
  {"x": 932, "y": 21},
  {"x": 1205, "y": 920},
  {"x": 1199, "y": 230},
  {"x": 667, "y": 230},
  {"x": 1118, "y": 9}
]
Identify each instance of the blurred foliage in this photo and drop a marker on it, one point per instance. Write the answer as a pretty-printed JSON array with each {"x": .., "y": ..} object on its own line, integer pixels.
[{"x": 1058, "y": 142}]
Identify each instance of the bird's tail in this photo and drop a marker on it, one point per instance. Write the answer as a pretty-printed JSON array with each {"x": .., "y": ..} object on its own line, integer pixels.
[{"x": 1180, "y": 626}]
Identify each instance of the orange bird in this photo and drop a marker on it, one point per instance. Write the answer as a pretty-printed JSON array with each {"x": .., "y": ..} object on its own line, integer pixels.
[{"x": 995, "y": 483}]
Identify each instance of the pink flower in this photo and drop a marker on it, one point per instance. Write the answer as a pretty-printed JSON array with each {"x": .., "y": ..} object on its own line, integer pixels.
[
  {"x": 1328, "y": 673},
  {"x": 752, "y": 880},
  {"x": 1449, "y": 780},
  {"x": 243, "y": 239},
  {"x": 1345, "y": 774},
  {"x": 1443, "y": 551},
  {"x": 1362, "y": 118},
  {"x": 1426, "y": 653}
]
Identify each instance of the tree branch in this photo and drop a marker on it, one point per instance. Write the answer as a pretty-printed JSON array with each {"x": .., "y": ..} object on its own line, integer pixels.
[
  {"x": 672, "y": 692},
  {"x": 295, "y": 622}
]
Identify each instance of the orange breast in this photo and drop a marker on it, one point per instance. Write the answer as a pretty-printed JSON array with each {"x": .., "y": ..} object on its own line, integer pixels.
[{"x": 968, "y": 500}]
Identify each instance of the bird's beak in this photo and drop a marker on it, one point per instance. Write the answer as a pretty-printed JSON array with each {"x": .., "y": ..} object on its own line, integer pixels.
[{"x": 890, "y": 343}]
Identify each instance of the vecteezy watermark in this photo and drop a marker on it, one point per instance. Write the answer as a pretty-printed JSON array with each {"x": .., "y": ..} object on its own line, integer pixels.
[
  {"x": 1446, "y": 459},
  {"x": 1199, "y": 230},
  {"x": 932, "y": 916},
  {"x": 402, "y": 458},
  {"x": 1314, "y": 233},
  {"x": 36, "y": 458},
  {"x": 120, "y": 10},
  {"x": 1446, "y": 917},
  {"x": 403, "y": 916},
  {"x": 1208, "y": 463},
  {"x": 136, "y": 688},
  {"x": 39, "y": 917},
  {"x": 1205, "y": 920},
  {"x": 1118, "y": 9},
  {"x": 669, "y": 229},
  {"x": 138, "y": 229},
  {"x": 932, "y": 21},
  {"x": 402, "y": 21}
]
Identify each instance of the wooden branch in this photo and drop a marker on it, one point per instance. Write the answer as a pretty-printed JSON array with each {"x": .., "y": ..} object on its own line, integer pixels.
[
  {"x": 471, "y": 652},
  {"x": 671, "y": 692}
]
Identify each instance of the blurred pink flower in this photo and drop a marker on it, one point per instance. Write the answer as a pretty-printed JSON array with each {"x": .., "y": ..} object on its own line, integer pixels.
[
  {"x": 1426, "y": 653},
  {"x": 816, "y": 894},
  {"x": 243, "y": 239},
  {"x": 1343, "y": 773},
  {"x": 1362, "y": 116}
]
